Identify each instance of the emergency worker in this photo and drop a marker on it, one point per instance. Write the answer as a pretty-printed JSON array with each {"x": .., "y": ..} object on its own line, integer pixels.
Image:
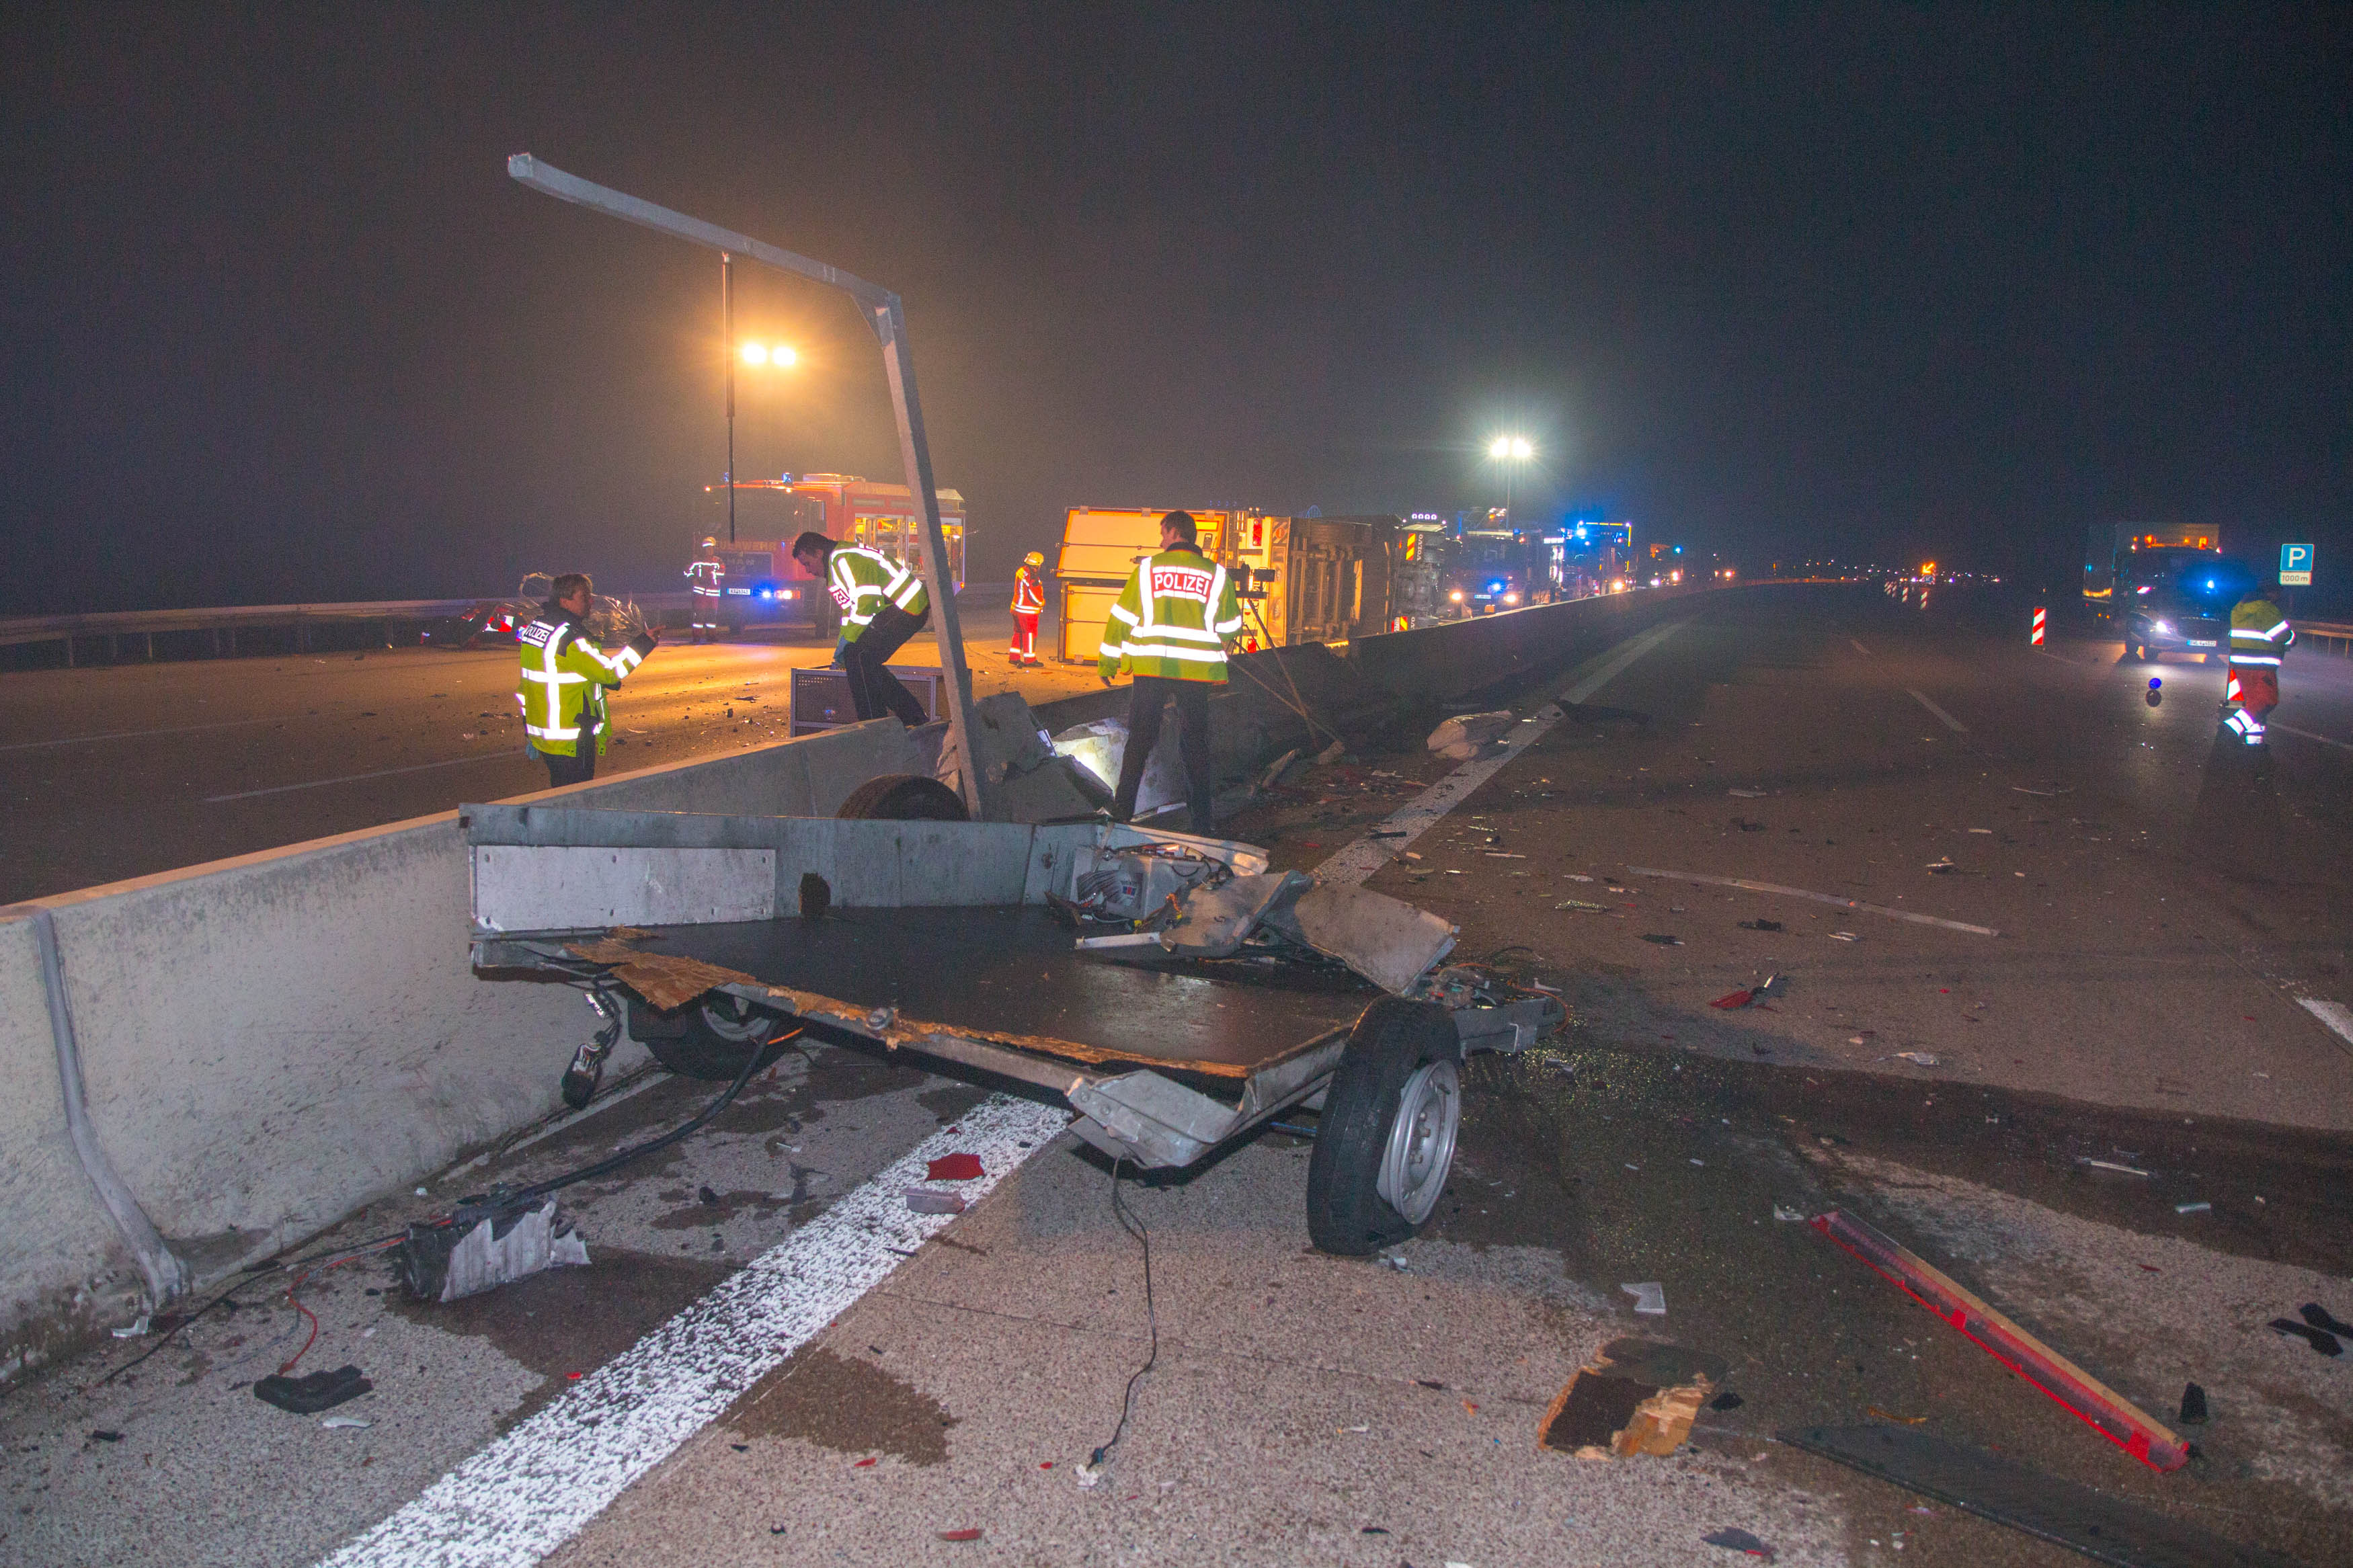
[
  {"x": 707, "y": 578},
  {"x": 882, "y": 605},
  {"x": 565, "y": 674},
  {"x": 1028, "y": 600},
  {"x": 2259, "y": 636},
  {"x": 1170, "y": 629}
]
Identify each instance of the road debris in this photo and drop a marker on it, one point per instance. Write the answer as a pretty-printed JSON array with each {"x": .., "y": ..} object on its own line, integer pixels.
[
  {"x": 1745, "y": 793},
  {"x": 2109, "y": 1413},
  {"x": 1465, "y": 735},
  {"x": 1890, "y": 1416},
  {"x": 309, "y": 1396},
  {"x": 922, "y": 1200},
  {"x": 1662, "y": 940},
  {"x": 345, "y": 1423},
  {"x": 1649, "y": 1297},
  {"x": 1844, "y": 936},
  {"x": 1734, "y": 999},
  {"x": 2193, "y": 1406},
  {"x": 959, "y": 1535},
  {"x": 2112, "y": 1166},
  {"x": 2318, "y": 1339},
  {"x": 1942, "y": 866},
  {"x": 1636, "y": 1396},
  {"x": 1760, "y": 924},
  {"x": 1727, "y": 1400},
  {"x": 2193, "y": 1208},
  {"x": 957, "y": 1167},
  {"x": 1733, "y": 1540},
  {"x": 1917, "y": 1059},
  {"x": 1745, "y": 825},
  {"x": 2318, "y": 1316},
  {"x": 1582, "y": 904},
  {"x": 1783, "y": 1211}
]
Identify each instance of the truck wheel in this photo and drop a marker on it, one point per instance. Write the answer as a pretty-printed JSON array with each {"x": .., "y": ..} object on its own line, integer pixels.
[
  {"x": 903, "y": 797},
  {"x": 1386, "y": 1139},
  {"x": 708, "y": 1038}
]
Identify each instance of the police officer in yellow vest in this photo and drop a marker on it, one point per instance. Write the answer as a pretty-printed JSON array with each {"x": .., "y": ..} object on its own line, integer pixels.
[
  {"x": 565, "y": 673},
  {"x": 1171, "y": 629},
  {"x": 882, "y": 605}
]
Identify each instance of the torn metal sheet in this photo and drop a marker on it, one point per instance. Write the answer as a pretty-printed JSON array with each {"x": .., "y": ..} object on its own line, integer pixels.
[
  {"x": 1215, "y": 919},
  {"x": 2100, "y": 1527},
  {"x": 480, "y": 1250},
  {"x": 1387, "y": 941}
]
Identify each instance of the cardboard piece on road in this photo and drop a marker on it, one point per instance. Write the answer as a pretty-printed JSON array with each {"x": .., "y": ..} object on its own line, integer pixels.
[
  {"x": 2102, "y": 1408},
  {"x": 1636, "y": 1397},
  {"x": 2100, "y": 1527}
]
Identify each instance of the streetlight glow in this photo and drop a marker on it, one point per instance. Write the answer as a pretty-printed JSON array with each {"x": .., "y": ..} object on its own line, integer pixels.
[
  {"x": 755, "y": 353},
  {"x": 1500, "y": 449},
  {"x": 761, "y": 353},
  {"x": 1520, "y": 449}
]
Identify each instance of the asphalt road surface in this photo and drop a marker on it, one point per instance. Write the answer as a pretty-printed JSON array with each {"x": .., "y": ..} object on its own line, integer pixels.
[
  {"x": 112, "y": 771},
  {"x": 2119, "y": 919}
]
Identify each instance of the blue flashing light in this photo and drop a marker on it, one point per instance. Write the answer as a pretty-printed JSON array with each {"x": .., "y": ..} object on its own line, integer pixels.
[{"x": 1495, "y": 588}]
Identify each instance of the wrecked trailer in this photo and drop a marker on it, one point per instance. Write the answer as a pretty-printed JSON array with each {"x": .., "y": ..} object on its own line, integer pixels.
[{"x": 1207, "y": 1014}]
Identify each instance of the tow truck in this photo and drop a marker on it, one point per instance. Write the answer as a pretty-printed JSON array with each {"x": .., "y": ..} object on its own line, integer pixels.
[{"x": 2166, "y": 590}]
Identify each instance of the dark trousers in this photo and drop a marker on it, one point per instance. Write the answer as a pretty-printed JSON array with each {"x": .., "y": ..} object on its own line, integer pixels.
[
  {"x": 562, "y": 770},
  {"x": 1144, "y": 705},
  {"x": 874, "y": 691}
]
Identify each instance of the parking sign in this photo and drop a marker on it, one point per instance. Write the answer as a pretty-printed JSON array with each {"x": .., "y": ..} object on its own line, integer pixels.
[{"x": 2296, "y": 566}]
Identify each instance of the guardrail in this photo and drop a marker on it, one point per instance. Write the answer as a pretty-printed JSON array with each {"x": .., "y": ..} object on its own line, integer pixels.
[{"x": 2337, "y": 639}]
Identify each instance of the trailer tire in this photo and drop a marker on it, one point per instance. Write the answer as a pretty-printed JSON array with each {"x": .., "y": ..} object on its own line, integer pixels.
[
  {"x": 903, "y": 797},
  {"x": 1392, "y": 1040},
  {"x": 709, "y": 1036}
]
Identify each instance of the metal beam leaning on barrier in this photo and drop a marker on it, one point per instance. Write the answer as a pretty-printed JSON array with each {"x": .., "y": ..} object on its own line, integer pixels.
[{"x": 888, "y": 320}]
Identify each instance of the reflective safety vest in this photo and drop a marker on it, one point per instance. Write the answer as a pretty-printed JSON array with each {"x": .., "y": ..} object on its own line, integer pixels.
[
  {"x": 862, "y": 581},
  {"x": 1028, "y": 591},
  {"x": 1172, "y": 619},
  {"x": 707, "y": 576},
  {"x": 2259, "y": 633},
  {"x": 562, "y": 693}
]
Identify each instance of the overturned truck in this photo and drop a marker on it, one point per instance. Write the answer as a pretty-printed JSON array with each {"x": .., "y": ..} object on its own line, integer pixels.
[{"x": 1169, "y": 989}]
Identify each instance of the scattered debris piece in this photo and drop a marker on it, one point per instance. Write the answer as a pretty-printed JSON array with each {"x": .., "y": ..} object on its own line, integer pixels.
[
  {"x": 1890, "y": 1416},
  {"x": 487, "y": 1243},
  {"x": 2193, "y": 1406},
  {"x": 309, "y": 1396},
  {"x": 2022, "y": 789},
  {"x": 922, "y": 1200},
  {"x": 1745, "y": 825},
  {"x": 1649, "y": 1297},
  {"x": 2192, "y": 1209},
  {"x": 1734, "y": 1539},
  {"x": 1462, "y": 737},
  {"x": 2318, "y": 1339},
  {"x": 706, "y": 1197},
  {"x": 954, "y": 1168},
  {"x": 1582, "y": 904},
  {"x": 959, "y": 1535},
  {"x": 1663, "y": 941},
  {"x": 1734, "y": 999},
  {"x": 1746, "y": 794},
  {"x": 1781, "y": 1211},
  {"x": 1991, "y": 1486},
  {"x": 1844, "y": 936},
  {"x": 1760, "y": 924},
  {"x": 1430, "y": 1382},
  {"x": 1635, "y": 1397},
  {"x": 2112, "y": 1166},
  {"x": 1917, "y": 1059},
  {"x": 1727, "y": 1400},
  {"x": 1575, "y": 877},
  {"x": 1940, "y": 867},
  {"x": 103, "y": 1436},
  {"x": 2109, "y": 1413},
  {"x": 865, "y": 1464},
  {"x": 2316, "y": 1314},
  {"x": 347, "y": 1424}
]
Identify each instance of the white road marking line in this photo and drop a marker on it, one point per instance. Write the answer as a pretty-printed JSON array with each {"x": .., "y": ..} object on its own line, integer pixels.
[
  {"x": 2336, "y": 1014},
  {"x": 518, "y": 1499},
  {"x": 1955, "y": 725},
  {"x": 354, "y": 778},
  {"x": 141, "y": 734},
  {"x": 1360, "y": 860},
  {"x": 2324, "y": 739},
  {"x": 1858, "y": 648},
  {"x": 1818, "y": 897}
]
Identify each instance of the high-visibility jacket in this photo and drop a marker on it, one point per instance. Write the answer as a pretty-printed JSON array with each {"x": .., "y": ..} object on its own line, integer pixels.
[
  {"x": 1172, "y": 619},
  {"x": 708, "y": 576},
  {"x": 1028, "y": 591},
  {"x": 2259, "y": 633},
  {"x": 862, "y": 581},
  {"x": 562, "y": 693}
]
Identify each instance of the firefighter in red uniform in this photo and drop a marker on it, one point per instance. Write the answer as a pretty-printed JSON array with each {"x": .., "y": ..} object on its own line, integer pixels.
[{"x": 1028, "y": 599}]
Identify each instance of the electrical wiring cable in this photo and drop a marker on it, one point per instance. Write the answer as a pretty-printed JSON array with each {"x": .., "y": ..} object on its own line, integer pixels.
[{"x": 1132, "y": 1223}]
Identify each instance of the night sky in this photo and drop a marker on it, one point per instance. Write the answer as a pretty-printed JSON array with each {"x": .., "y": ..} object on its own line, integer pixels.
[{"x": 1880, "y": 282}]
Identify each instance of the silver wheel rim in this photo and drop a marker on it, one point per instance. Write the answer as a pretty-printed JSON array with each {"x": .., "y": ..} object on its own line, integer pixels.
[
  {"x": 1421, "y": 1142},
  {"x": 733, "y": 1018}
]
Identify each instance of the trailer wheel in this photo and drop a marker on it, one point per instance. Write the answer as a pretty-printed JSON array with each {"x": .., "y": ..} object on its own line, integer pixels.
[
  {"x": 710, "y": 1037},
  {"x": 903, "y": 797},
  {"x": 1386, "y": 1139}
]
